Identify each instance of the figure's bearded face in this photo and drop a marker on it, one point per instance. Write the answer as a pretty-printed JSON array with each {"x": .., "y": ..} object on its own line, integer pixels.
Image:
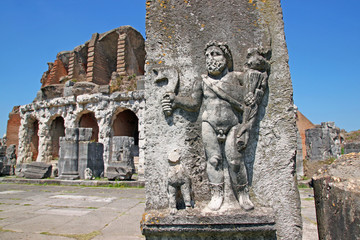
[{"x": 215, "y": 60}]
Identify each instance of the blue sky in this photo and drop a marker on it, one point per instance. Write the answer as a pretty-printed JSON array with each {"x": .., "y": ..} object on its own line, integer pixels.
[{"x": 322, "y": 38}]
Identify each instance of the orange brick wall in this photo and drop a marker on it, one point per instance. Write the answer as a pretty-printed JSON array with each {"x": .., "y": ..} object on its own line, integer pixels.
[
  {"x": 57, "y": 71},
  {"x": 303, "y": 123},
  {"x": 13, "y": 125}
]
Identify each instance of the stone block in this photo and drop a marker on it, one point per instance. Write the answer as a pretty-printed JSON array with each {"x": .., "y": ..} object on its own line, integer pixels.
[
  {"x": 119, "y": 172},
  {"x": 6, "y": 169},
  {"x": 85, "y": 134},
  {"x": 52, "y": 91},
  {"x": 68, "y": 158},
  {"x": 71, "y": 134},
  {"x": 337, "y": 198},
  {"x": 353, "y": 147},
  {"x": 122, "y": 151},
  {"x": 259, "y": 224},
  {"x": 91, "y": 156},
  {"x": 37, "y": 170},
  {"x": 80, "y": 88},
  {"x": 322, "y": 142},
  {"x": 19, "y": 170}
]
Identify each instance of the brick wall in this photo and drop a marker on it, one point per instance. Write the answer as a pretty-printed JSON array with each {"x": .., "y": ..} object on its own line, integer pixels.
[
  {"x": 13, "y": 125},
  {"x": 303, "y": 124}
]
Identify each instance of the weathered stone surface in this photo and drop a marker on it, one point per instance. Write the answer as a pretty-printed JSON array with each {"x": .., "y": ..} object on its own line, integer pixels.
[
  {"x": 19, "y": 170},
  {"x": 337, "y": 198},
  {"x": 3, "y": 154},
  {"x": 11, "y": 154},
  {"x": 121, "y": 151},
  {"x": 177, "y": 32},
  {"x": 323, "y": 142},
  {"x": 37, "y": 170},
  {"x": 77, "y": 154},
  {"x": 52, "y": 91},
  {"x": 118, "y": 172},
  {"x": 85, "y": 134},
  {"x": 353, "y": 147},
  {"x": 68, "y": 157},
  {"x": 91, "y": 156},
  {"x": 258, "y": 224}
]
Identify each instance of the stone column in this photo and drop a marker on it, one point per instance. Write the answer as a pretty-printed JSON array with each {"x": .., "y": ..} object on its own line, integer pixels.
[
  {"x": 176, "y": 69},
  {"x": 69, "y": 154}
]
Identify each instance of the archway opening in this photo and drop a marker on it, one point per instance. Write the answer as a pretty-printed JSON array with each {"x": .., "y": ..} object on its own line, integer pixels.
[
  {"x": 88, "y": 120},
  {"x": 126, "y": 124},
  {"x": 34, "y": 139},
  {"x": 57, "y": 130}
]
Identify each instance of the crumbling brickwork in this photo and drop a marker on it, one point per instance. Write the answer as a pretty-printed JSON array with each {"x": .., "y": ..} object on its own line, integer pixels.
[
  {"x": 13, "y": 125},
  {"x": 116, "y": 53}
]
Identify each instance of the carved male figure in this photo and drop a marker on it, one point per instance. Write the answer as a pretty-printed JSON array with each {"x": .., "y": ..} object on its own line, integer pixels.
[{"x": 226, "y": 98}]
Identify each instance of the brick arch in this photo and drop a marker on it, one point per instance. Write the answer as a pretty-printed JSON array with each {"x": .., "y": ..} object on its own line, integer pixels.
[
  {"x": 88, "y": 120},
  {"x": 57, "y": 130},
  {"x": 125, "y": 123}
]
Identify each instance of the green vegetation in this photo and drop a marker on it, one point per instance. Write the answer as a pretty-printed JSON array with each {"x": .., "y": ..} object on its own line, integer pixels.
[
  {"x": 309, "y": 199},
  {"x": 303, "y": 185},
  {"x": 85, "y": 236},
  {"x": 123, "y": 83},
  {"x": 5, "y": 230}
]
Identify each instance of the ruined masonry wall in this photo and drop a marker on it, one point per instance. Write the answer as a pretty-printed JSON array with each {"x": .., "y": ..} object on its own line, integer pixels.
[{"x": 70, "y": 108}]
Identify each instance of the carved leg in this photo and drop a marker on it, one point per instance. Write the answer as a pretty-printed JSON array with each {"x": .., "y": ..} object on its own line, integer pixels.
[
  {"x": 172, "y": 199},
  {"x": 237, "y": 170},
  {"x": 185, "y": 190},
  {"x": 214, "y": 166},
  {"x": 217, "y": 196},
  {"x": 244, "y": 199}
]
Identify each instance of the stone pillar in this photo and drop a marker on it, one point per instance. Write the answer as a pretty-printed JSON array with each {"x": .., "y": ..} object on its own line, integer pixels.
[
  {"x": 78, "y": 153},
  {"x": 90, "y": 154},
  {"x": 176, "y": 69},
  {"x": 69, "y": 154}
]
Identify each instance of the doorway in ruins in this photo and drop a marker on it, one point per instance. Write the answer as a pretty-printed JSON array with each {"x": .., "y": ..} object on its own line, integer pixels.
[
  {"x": 125, "y": 123},
  {"x": 33, "y": 133},
  {"x": 57, "y": 130},
  {"x": 88, "y": 120}
]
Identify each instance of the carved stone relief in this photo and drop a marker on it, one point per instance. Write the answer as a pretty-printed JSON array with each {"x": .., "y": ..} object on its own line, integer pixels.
[{"x": 229, "y": 101}]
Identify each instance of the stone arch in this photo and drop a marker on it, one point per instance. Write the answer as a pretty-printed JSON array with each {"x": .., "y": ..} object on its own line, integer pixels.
[
  {"x": 32, "y": 128},
  {"x": 88, "y": 120},
  {"x": 57, "y": 130},
  {"x": 126, "y": 123}
]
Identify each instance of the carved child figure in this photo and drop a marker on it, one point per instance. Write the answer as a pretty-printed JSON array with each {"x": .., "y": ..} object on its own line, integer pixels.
[{"x": 178, "y": 179}]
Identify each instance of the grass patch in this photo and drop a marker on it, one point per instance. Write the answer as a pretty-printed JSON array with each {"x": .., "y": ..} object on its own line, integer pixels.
[
  {"x": 27, "y": 204},
  {"x": 92, "y": 208},
  {"x": 85, "y": 236},
  {"x": 309, "y": 199},
  {"x": 5, "y": 230},
  {"x": 303, "y": 185},
  {"x": 15, "y": 198}
]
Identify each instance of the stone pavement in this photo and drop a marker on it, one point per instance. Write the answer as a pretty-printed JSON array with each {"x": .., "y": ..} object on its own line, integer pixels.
[
  {"x": 308, "y": 214},
  {"x": 77, "y": 212},
  {"x": 69, "y": 212}
]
